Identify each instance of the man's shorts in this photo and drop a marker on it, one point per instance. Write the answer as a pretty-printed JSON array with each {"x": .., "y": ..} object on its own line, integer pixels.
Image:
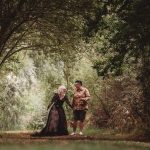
[{"x": 79, "y": 115}]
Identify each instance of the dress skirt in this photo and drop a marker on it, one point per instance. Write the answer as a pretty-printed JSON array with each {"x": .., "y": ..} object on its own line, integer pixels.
[{"x": 56, "y": 124}]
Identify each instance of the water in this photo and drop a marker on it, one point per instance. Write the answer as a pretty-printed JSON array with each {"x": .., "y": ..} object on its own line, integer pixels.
[{"x": 78, "y": 145}]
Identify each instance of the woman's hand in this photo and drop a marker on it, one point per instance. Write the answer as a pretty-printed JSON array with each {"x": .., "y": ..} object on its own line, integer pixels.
[{"x": 48, "y": 107}]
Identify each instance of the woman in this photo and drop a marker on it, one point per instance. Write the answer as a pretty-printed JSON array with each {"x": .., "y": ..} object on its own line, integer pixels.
[{"x": 56, "y": 124}]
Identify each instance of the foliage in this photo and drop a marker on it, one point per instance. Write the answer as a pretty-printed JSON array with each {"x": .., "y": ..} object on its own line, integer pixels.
[
  {"x": 44, "y": 44},
  {"x": 122, "y": 44},
  {"x": 19, "y": 17}
]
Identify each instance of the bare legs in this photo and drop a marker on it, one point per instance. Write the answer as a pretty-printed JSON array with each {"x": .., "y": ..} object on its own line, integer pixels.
[
  {"x": 79, "y": 117},
  {"x": 78, "y": 123},
  {"x": 75, "y": 126},
  {"x": 81, "y": 125}
]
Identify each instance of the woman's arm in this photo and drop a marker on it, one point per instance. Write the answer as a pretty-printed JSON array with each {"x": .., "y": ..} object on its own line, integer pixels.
[
  {"x": 52, "y": 101},
  {"x": 68, "y": 102}
]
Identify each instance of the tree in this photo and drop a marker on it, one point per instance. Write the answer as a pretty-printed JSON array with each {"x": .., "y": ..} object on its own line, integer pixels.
[
  {"x": 126, "y": 28},
  {"x": 18, "y": 16}
]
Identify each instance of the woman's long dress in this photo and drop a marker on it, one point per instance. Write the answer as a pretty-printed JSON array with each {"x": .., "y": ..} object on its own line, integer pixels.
[{"x": 56, "y": 124}]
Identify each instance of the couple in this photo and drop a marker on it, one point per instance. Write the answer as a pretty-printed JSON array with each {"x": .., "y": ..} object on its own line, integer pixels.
[{"x": 57, "y": 124}]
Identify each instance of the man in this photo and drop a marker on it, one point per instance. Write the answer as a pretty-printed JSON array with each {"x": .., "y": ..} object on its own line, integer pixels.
[{"x": 80, "y": 106}]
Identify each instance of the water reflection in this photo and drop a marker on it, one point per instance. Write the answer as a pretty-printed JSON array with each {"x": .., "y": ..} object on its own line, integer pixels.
[{"x": 78, "y": 145}]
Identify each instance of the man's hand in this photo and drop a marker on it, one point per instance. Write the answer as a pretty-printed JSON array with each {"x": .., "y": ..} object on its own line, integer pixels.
[
  {"x": 83, "y": 99},
  {"x": 81, "y": 102}
]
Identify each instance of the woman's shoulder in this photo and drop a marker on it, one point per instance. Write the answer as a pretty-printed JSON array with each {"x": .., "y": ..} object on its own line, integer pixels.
[{"x": 55, "y": 95}]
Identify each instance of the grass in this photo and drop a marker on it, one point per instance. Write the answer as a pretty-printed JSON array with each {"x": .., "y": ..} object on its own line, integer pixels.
[
  {"x": 98, "y": 132},
  {"x": 95, "y": 131}
]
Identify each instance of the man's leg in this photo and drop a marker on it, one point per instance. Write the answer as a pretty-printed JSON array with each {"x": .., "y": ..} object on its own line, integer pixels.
[
  {"x": 74, "y": 126},
  {"x": 81, "y": 123},
  {"x": 75, "y": 115}
]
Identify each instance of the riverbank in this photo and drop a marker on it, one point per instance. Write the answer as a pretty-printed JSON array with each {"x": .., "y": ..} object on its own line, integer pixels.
[
  {"x": 91, "y": 135},
  {"x": 77, "y": 145}
]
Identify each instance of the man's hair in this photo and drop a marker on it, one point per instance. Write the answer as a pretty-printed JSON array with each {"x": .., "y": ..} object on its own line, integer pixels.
[{"x": 78, "y": 81}]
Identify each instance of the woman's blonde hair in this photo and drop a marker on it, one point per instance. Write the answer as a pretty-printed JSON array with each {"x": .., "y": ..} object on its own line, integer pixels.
[{"x": 61, "y": 89}]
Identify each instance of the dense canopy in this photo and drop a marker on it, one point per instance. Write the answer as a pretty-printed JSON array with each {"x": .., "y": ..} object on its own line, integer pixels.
[{"x": 104, "y": 43}]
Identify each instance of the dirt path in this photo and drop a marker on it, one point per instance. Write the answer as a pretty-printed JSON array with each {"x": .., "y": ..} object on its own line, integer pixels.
[{"x": 25, "y": 137}]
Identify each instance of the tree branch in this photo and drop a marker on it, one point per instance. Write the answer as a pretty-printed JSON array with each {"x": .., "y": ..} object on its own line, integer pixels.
[{"x": 21, "y": 49}]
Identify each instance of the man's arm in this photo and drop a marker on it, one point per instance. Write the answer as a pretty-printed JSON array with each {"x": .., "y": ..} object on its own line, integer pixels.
[{"x": 87, "y": 95}]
